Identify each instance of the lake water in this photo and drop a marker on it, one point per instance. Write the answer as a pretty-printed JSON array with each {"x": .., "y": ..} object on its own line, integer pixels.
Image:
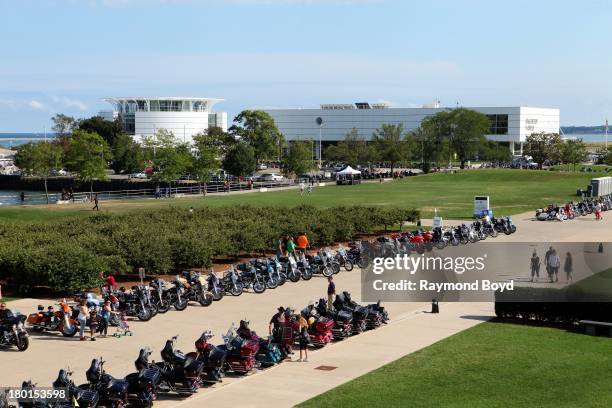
[{"x": 13, "y": 197}]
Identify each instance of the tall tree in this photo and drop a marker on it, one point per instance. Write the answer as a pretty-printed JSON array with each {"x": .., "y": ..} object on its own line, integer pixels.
[
  {"x": 257, "y": 128},
  {"x": 468, "y": 133},
  {"x": 171, "y": 159},
  {"x": 352, "y": 150},
  {"x": 109, "y": 131},
  {"x": 543, "y": 147},
  {"x": 207, "y": 149},
  {"x": 39, "y": 160},
  {"x": 573, "y": 151},
  {"x": 88, "y": 156},
  {"x": 390, "y": 145},
  {"x": 299, "y": 158},
  {"x": 128, "y": 155},
  {"x": 240, "y": 160},
  {"x": 494, "y": 152},
  {"x": 63, "y": 125}
]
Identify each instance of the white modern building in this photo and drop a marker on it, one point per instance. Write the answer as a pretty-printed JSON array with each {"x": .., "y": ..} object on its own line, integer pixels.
[
  {"x": 510, "y": 125},
  {"x": 184, "y": 117}
]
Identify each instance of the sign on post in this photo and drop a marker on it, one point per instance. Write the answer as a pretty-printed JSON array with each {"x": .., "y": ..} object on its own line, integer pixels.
[
  {"x": 141, "y": 274},
  {"x": 437, "y": 222},
  {"x": 481, "y": 205}
]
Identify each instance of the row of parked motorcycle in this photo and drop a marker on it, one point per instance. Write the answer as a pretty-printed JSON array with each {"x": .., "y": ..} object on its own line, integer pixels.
[
  {"x": 571, "y": 210},
  {"x": 241, "y": 352},
  {"x": 145, "y": 301}
]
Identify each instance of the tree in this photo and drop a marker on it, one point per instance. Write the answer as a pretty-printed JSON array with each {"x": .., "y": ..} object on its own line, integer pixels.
[
  {"x": 109, "y": 131},
  {"x": 494, "y": 152},
  {"x": 128, "y": 155},
  {"x": 353, "y": 150},
  {"x": 573, "y": 151},
  {"x": 39, "y": 160},
  {"x": 63, "y": 125},
  {"x": 389, "y": 144},
  {"x": 543, "y": 147},
  {"x": 299, "y": 159},
  {"x": 240, "y": 160},
  {"x": 208, "y": 149},
  {"x": 171, "y": 159},
  {"x": 427, "y": 147},
  {"x": 257, "y": 128},
  {"x": 221, "y": 139},
  {"x": 88, "y": 156},
  {"x": 468, "y": 133}
]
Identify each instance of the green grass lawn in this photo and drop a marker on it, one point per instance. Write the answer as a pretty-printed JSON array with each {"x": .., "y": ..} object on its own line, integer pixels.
[
  {"x": 511, "y": 192},
  {"x": 489, "y": 365}
]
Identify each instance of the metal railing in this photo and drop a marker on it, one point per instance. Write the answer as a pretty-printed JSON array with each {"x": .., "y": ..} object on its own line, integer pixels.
[{"x": 37, "y": 198}]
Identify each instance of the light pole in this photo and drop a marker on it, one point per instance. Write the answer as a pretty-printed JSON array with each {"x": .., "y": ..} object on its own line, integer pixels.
[{"x": 319, "y": 121}]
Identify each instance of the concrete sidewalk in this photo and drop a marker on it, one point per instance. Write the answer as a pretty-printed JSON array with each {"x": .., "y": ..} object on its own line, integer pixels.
[{"x": 295, "y": 382}]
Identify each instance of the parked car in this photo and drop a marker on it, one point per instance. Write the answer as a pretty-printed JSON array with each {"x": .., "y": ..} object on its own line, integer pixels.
[
  {"x": 270, "y": 177},
  {"x": 262, "y": 166},
  {"x": 140, "y": 175}
]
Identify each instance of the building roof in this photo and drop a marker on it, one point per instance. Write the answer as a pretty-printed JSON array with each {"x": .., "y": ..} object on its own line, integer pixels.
[{"x": 162, "y": 98}]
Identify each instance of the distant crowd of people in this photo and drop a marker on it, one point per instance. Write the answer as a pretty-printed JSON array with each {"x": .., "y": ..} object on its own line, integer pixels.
[{"x": 552, "y": 263}]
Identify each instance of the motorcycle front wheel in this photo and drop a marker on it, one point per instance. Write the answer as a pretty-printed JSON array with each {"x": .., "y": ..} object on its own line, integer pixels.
[
  {"x": 206, "y": 299},
  {"x": 272, "y": 283},
  {"x": 163, "y": 306},
  {"x": 335, "y": 267},
  {"x": 327, "y": 271},
  {"x": 237, "y": 289},
  {"x": 306, "y": 274},
  {"x": 180, "y": 305},
  {"x": 294, "y": 277},
  {"x": 362, "y": 262},
  {"x": 348, "y": 265},
  {"x": 217, "y": 294},
  {"x": 145, "y": 314},
  {"x": 259, "y": 287},
  {"x": 23, "y": 342},
  {"x": 69, "y": 331}
]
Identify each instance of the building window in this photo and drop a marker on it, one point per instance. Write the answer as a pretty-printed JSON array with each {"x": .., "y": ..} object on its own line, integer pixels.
[{"x": 499, "y": 124}]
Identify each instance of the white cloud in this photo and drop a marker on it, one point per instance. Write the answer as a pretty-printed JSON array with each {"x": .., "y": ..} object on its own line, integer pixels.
[
  {"x": 69, "y": 103},
  {"x": 36, "y": 105}
]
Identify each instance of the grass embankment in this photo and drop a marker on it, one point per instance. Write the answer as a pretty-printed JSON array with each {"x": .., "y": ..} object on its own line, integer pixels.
[
  {"x": 511, "y": 192},
  {"x": 489, "y": 365}
]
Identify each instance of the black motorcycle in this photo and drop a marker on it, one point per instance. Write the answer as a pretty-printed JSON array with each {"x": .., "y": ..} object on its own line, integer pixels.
[
  {"x": 195, "y": 291},
  {"x": 231, "y": 282},
  {"x": 85, "y": 398},
  {"x": 214, "y": 286},
  {"x": 343, "y": 320},
  {"x": 113, "y": 392},
  {"x": 13, "y": 332},
  {"x": 132, "y": 303},
  {"x": 360, "y": 313},
  {"x": 175, "y": 295},
  {"x": 251, "y": 278},
  {"x": 179, "y": 372},
  {"x": 211, "y": 356},
  {"x": 159, "y": 295}
]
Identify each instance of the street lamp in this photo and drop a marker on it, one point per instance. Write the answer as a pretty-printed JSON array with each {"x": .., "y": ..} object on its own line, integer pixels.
[{"x": 319, "y": 121}]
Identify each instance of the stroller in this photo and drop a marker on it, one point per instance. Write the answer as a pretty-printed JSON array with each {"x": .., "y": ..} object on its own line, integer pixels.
[{"x": 123, "y": 327}]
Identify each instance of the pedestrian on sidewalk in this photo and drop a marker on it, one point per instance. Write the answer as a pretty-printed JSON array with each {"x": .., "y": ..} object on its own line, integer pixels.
[
  {"x": 554, "y": 262},
  {"x": 95, "y": 208},
  {"x": 302, "y": 243},
  {"x": 331, "y": 292},
  {"x": 82, "y": 318},
  {"x": 535, "y": 266},
  {"x": 290, "y": 246},
  {"x": 301, "y": 188},
  {"x": 304, "y": 338},
  {"x": 569, "y": 268}
]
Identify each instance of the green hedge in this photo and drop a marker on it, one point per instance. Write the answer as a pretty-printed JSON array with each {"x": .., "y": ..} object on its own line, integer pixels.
[{"x": 69, "y": 254}]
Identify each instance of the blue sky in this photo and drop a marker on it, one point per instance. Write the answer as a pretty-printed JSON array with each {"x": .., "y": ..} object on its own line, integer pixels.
[{"x": 66, "y": 55}]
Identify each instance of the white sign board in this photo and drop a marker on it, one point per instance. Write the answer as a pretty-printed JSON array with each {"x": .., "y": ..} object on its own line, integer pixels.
[
  {"x": 481, "y": 204},
  {"x": 437, "y": 222}
]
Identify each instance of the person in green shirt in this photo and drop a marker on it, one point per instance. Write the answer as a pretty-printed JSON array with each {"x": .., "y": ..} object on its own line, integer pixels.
[{"x": 290, "y": 246}]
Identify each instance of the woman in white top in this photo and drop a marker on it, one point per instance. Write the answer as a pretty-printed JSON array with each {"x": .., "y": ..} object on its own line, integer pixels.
[{"x": 82, "y": 317}]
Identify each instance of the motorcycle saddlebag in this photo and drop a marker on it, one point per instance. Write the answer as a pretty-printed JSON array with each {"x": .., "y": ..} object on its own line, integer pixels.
[
  {"x": 216, "y": 357},
  {"x": 344, "y": 316},
  {"x": 361, "y": 312}
]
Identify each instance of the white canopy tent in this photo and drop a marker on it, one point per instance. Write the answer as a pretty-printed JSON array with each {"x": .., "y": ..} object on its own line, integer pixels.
[{"x": 348, "y": 171}]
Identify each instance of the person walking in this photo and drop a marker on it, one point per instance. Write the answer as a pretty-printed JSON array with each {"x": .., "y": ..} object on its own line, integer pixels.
[
  {"x": 277, "y": 322},
  {"x": 82, "y": 318},
  {"x": 598, "y": 216},
  {"x": 568, "y": 267},
  {"x": 94, "y": 321},
  {"x": 535, "y": 266},
  {"x": 279, "y": 246},
  {"x": 302, "y": 243},
  {"x": 105, "y": 318},
  {"x": 554, "y": 263},
  {"x": 290, "y": 246},
  {"x": 547, "y": 262},
  {"x": 304, "y": 338},
  {"x": 331, "y": 292},
  {"x": 301, "y": 188},
  {"x": 95, "y": 200}
]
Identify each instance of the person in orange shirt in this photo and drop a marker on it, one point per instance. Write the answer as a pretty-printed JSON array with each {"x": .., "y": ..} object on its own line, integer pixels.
[{"x": 302, "y": 242}]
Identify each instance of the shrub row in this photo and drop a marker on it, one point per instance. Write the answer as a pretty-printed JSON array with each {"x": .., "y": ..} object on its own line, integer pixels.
[
  {"x": 557, "y": 306},
  {"x": 69, "y": 254}
]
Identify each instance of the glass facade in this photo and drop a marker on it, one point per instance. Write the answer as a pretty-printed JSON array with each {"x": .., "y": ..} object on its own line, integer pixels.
[{"x": 499, "y": 124}]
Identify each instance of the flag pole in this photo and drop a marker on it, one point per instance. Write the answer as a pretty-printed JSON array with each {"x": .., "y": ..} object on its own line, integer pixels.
[{"x": 606, "y": 133}]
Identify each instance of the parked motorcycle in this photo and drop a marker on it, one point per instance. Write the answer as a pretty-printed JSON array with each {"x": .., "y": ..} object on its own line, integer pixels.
[
  {"x": 84, "y": 398},
  {"x": 159, "y": 295},
  {"x": 61, "y": 320},
  {"x": 13, "y": 332},
  {"x": 241, "y": 351},
  {"x": 211, "y": 356},
  {"x": 231, "y": 282}
]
